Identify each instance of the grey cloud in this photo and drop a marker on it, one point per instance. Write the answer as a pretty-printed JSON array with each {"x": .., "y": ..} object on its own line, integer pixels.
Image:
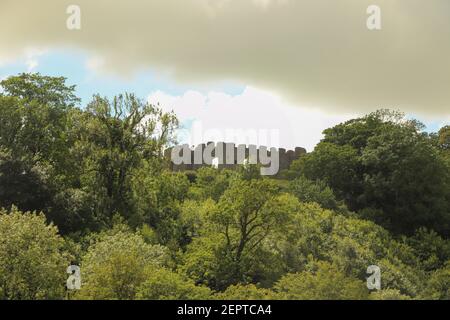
[{"x": 314, "y": 52}]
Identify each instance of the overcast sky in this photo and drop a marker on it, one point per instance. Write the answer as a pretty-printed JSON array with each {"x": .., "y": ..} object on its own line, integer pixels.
[{"x": 296, "y": 66}]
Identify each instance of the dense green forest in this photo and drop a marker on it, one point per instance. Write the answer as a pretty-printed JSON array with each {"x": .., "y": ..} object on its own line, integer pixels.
[{"x": 89, "y": 186}]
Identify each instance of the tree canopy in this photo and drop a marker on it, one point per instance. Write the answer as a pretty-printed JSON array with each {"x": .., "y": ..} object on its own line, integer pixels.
[{"x": 90, "y": 186}]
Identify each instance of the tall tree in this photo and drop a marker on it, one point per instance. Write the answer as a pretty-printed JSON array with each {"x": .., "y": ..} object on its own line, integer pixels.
[
  {"x": 120, "y": 135},
  {"x": 51, "y": 91},
  {"x": 385, "y": 167}
]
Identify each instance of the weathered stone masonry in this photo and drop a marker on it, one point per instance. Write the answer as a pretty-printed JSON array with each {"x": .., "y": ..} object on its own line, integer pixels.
[{"x": 286, "y": 157}]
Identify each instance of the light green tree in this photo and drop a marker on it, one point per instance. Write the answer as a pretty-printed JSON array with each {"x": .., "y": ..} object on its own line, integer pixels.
[
  {"x": 388, "y": 294},
  {"x": 438, "y": 285},
  {"x": 117, "y": 263},
  {"x": 52, "y": 91},
  {"x": 163, "y": 284},
  {"x": 32, "y": 258},
  {"x": 246, "y": 292},
  {"x": 324, "y": 282},
  {"x": 231, "y": 240}
]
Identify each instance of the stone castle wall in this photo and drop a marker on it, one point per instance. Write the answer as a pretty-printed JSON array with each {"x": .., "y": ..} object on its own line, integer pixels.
[{"x": 286, "y": 157}]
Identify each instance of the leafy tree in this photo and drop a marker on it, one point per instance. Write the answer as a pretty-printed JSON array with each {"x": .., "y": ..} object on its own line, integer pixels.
[
  {"x": 203, "y": 260},
  {"x": 45, "y": 90},
  {"x": 210, "y": 183},
  {"x": 350, "y": 244},
  {"x": 24, "y": 182},
  {"x": 36, "y": 164},
  {"x": 120, "y": 136},
  {"x": 443, "y": 144},
  {"x": 140, "y": 231},
  {"x": 73, "y": 211},
  {"x": 388, "y": 294},
  {"x": 243, "y": 216},
  {"x": 399, "y": 276},
  {"x": 306, "y": 236},
  {"x": 231, "y": 243},
  {"x": 431, "y": 250},
  {"x": 383, "y": 163},
  {"x": 246, "y": 292},
  {"x": 247, "y": 213},
  {"x": 32, "y": 258},
  {"x": 194, "y": 217},
  {"x": 163, "y": 284},
  {"x": 438, "y": 286},
  {"x": 406, "y": 179},
  {"x": 313, "y": 191},
  {"x": 117, "y": 263},
  {"x": 157, "y": 199},
  {"x": 325, "y": 282},
  {"x": 335, "y": 165},
  {"x": 34, "y": 130}
]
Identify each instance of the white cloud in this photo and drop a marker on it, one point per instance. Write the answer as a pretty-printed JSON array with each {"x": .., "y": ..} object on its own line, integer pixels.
[
  {"x": 31, "y": 57},
  {"x": 95, "y": 64},
  {"x": 253, "y": 117}
]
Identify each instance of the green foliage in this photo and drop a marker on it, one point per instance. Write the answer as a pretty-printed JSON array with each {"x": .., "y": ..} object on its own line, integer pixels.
[
  {"x": 157, "y": 201},
  {"x": 210, "y": 183},
  {"x": 148, "y": 234},
  {"x": 431, "y": 250},
  {"x": 336, "y": 165},
  {"x": 388, "y": 294},
  {"x": 246, "y": 292},
  {"x": 120, "y": 136},
  {"x": 206, "y": 262},
  {"x": 246, "y": 214},
  {"x": 438, "y": 286},
  {"x": 325, "y": 282},
  {"x": 32, "y": 258},
  {"x": 163, "y": 284},
  {"x": 375, "y": 191},
  {"x": 402, "y": 277},
  {"x": 194, "y": 218},
  {"x": 24, "y": 182},
  {"x": 350, "y": 244},
  {"x": 52, "y": 91},
  {"x": 386, "y": 168},
  {"x": 313, "y": 191},
  {"x": 78, "y": 166},
  {"x": 117, "y": 263}
]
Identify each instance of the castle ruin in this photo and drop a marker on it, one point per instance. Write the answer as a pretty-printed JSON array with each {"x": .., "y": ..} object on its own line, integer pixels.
[{"x": 229, "y": 156}]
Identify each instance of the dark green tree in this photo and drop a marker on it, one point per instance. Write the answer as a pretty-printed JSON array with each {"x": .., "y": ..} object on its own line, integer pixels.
[{"x": 386, "y": 168}]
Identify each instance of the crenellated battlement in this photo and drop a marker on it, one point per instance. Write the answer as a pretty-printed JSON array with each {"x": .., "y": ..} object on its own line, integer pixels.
[{"x": 229, "y": 156}]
